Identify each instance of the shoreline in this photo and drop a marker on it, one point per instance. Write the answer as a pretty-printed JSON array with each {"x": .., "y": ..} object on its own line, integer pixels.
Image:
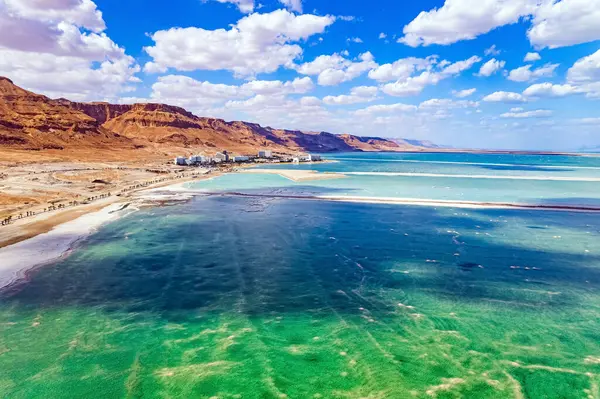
[
  {"x": 47, "y": 238},
  {"x": 42, "y": 239},
  {"x": 44, "y": 248}
]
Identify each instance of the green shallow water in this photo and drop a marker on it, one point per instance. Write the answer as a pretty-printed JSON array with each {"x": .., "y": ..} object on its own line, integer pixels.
[{"x": 227, "y": 297}]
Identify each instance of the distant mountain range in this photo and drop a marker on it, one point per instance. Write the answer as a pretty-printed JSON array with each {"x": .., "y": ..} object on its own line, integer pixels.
[
  {"x": 34, "y": 122},
  {"x": 418, "y": 143},
  {"x": 592, "y": 148}
]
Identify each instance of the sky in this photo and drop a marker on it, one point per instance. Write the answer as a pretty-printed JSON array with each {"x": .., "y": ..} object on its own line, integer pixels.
[{"x": 502, "y": 74}]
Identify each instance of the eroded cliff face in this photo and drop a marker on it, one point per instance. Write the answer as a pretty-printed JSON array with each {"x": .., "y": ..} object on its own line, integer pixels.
[
  {"x": 33, "y": 121},
  {"x": 100, "y": 111}
]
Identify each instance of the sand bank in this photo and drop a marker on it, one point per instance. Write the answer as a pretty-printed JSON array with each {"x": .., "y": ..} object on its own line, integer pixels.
[
  {"x": 49, "y": 246},
  {"x": 511, "y": 165},
  {"x": 505, "y": 177},
  {"x": 297, "y": 174},
  {"x": 418, "y": 202}
]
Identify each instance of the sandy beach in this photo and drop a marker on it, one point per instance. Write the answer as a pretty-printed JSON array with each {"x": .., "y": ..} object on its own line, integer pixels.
[
  {"x": 36, "y": 240},
  {"x": 296, "y": 174},
  {"x": 33, "y": 241},
  {"x": 18, "y": 258}
]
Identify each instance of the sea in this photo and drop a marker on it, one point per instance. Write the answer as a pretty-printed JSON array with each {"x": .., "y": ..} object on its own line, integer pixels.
[{"x": 249, "y": 290}]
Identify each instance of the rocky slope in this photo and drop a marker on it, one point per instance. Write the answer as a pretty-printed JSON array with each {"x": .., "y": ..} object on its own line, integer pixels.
[
  {"x": 35, "y": 122},
  {"x": 30, "y": 121}
]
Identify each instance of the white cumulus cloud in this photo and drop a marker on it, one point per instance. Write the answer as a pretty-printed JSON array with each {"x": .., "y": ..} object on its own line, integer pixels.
[
  {"x": 401, "y": 69},
  {"x": 525, "y": 73},
  {"x": 531, "y": 57},
  {"x": 335, "y": 69},
  {"x": 491, "y": 67},
  {"x": 408, "y": 85},
  {"x": 464, "y": 93},
  {"x": 553, "y": 23},
  {"x": 245, "y": 6},
  {"x": 565, "y": 23},
  {"x": 257, "y": 43},
  {"x": 505, "y": 97},
  {"x": 386, "y": 108},
  {"x": 586, "y": 69},
  {"x": 464, "y": 20},
  {"x": 539, "y": 113},
  {"x": 550, "y": 90},
  {"x": 360, "y": 94},
  {"x": 59, "y": 48},
  {"x": 294, "y": 5}
]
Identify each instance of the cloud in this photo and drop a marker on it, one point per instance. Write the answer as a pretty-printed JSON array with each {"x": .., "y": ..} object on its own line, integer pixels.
[
  {"x": 401, "y": 69},
  {"x": 382, "y": 35},
  {"x": 310, "y": 101},
  {"x": 586, "y": 69},
  {"x": 460, "y": 66},
  {"x": 193, "y": 94},
  {"x": 565, "y": 23},
  {"x": 296, "y": 86},
  {"x": 386, "y": 108},
  {"x": 587, "y": 121},
  {"x": 408, "y": 85},
  {"x": 241, "y": 49},
  {"x": 505, "y": 97},
  {"x": 517, "y": 109},
  {"x": 464, "y": 93},
  {"x": 550, "y": 90},
  {"x": 540, "y": 113},
  {"x": 492, "y": 51},
  {"x": 525, "y": 73},
  {"x": 294, "y": 5},
  {"x": 531, "y": 57},
  {"x": 185, "y": 91},
  {"x": 81, "y": 13},
  {"x": 553, "y": 23},
  {"x": 58, "y": 47},
  {"x": 335, "y": 69},
  {"x": 464, "y": 20},
  {"x": 273, "y": 110},
  {"x": 354, "y": 40},
  {"x": 245, "y": 6},
  {"x": 360, "y": 94},
  {"x": 446, "y": 103},
  {"x": 491, "y": 67}
]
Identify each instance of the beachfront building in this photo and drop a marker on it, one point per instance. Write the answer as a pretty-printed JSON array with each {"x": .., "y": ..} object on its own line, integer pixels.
[
  {"x": 313, "y": 158},
  {"x": 197, "y": 159},
  {"x": 181, "y": 161},
  {"x": 265, "y": 154},
  {"x": 223, "y": 156},
  {"x": 241, "y": 158}
]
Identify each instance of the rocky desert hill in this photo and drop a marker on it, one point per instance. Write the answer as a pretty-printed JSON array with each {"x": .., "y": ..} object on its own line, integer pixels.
[{"x": 77, "y": 131}]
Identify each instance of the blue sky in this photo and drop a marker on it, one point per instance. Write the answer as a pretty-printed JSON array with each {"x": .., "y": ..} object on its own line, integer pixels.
[{"x": 521, "y": 74}]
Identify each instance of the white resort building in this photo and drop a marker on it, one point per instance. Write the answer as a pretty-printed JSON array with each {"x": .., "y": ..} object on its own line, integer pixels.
[{"x": 265, "y": 154}]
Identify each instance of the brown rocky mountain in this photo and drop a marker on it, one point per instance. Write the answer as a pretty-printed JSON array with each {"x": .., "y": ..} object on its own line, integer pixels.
[
  {"x": 34, "y": 122},
  {"x": 30, "y": 121}
]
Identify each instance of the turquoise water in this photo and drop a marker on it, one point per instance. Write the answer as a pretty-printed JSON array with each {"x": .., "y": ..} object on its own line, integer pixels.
[
  {"x": 228, "y": 297},
  {"x": 542, "y": 192}
]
